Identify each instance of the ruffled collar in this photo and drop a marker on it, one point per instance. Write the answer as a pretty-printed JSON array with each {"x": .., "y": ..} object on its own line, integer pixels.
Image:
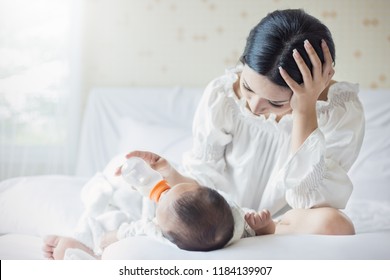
[
  {"x": 339, "y": 92},
  {"x": 231, "y": 75}
]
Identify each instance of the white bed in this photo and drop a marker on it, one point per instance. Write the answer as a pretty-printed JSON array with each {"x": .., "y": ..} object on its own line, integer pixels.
[{"x": 123, "y": 119}]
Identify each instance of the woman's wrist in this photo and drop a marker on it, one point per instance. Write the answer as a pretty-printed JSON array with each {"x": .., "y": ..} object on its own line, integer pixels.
[
  {"x": 305, "y": 113},
  {"x": 304, "y": 123}
]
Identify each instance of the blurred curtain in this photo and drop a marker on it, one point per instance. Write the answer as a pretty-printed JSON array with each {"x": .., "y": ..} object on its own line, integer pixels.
[{"x": 39, "y": 86}]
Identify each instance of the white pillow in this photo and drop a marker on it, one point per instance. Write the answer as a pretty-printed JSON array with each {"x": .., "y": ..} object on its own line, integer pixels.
[
  {"x": 40, "y": 205},
  {"x": 169, "y": 141},
  {"x": 370, "y": 174}
]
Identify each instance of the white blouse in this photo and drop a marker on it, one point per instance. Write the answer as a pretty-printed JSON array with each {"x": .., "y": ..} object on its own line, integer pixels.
[{"x": 248, "y": 157}]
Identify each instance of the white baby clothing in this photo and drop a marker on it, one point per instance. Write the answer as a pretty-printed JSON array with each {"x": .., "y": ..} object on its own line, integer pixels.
[
  {"x": 108, "y": 202},
  {"x": 248, "y": 156}
]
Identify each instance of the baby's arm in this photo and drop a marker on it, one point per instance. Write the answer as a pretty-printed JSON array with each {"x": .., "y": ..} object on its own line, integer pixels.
[
  {"x": 261, "y": 222},
  {"x": 161, "y": 165}
]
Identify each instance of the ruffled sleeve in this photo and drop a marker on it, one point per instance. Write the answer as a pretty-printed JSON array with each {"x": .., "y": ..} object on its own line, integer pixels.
[
  {"x": 316, "y": 175},
  {"x": 212, "y": 123}
]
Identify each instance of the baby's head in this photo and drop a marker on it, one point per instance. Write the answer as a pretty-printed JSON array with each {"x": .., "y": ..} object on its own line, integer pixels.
[{"x": 195, "y": 218}]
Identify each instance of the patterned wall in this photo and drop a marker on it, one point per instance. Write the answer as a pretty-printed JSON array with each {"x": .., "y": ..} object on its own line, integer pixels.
[{"x": 188, "y": 43}]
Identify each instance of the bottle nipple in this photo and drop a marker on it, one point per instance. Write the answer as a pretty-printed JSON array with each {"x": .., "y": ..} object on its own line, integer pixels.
[
  {"x": 147, "y": 181},
  {"x": 158, "y": 189}
]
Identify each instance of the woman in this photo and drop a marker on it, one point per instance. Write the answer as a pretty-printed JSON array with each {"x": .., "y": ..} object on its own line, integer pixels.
[{"x": 276, "y": 132}]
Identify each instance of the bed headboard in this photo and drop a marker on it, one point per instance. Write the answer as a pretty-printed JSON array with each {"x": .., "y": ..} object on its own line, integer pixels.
[{"x": 118, "y": 120}]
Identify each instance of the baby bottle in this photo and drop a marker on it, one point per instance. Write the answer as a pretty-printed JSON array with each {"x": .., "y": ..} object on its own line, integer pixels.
[{"x": 147, "y": 181}]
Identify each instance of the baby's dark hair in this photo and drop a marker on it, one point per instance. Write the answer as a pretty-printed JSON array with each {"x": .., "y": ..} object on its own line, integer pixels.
[
  {"x": 271, "y": 42},
  {"x": 206, "y": 221}
]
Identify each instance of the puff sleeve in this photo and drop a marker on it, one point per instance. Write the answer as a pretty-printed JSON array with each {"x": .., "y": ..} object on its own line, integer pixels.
[{"x": 317, "y": 174}]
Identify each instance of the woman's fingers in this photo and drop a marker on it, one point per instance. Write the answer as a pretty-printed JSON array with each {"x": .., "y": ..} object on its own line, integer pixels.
[
  {"x": 314, "y": 59},
  {"x": 293, "y": 85},
  {"x": 303, "y": 68},
  {"x": 328, "y": 70},
  {"x": 321, "y": 72},
  {"x": 328, "y": 60},
  {"x": 325, "y": 69}
]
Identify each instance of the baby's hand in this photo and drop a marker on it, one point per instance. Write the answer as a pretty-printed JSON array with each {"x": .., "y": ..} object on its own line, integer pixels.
[
  {"x": 108, "y": 239},
  {"x": 258, "y": 221},
  {"x": 160, "y": 164}
]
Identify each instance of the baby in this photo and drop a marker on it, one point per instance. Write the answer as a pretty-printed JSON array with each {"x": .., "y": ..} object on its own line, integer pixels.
[{"x": 192, "y": 217}]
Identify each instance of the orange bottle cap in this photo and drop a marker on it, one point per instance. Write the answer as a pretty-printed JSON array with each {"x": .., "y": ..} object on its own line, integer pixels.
[{"x": 158, "y": 189}]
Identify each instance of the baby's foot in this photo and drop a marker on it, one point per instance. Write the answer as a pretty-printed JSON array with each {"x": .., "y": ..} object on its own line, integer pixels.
[
  {"x": 260, "y": 222},
  {"x": 55, "y": 246}
]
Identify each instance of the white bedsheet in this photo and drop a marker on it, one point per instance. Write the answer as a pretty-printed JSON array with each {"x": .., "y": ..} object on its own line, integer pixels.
[{"x": 364, "y": 246}]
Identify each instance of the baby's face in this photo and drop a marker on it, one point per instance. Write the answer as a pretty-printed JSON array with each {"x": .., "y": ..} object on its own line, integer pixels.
[{"x": 163, "y": 212}]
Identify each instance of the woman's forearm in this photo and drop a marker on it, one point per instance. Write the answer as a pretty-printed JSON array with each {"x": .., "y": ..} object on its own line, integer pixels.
[{"x": 304, "y": 123}]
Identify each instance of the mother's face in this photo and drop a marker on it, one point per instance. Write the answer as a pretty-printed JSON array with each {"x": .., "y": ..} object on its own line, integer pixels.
[{"x": 262, "y": 96}]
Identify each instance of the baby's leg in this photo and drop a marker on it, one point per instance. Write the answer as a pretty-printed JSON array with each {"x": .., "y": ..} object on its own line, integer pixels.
[
  {"x": 55, "y": 247},
  {"x": 325, "y": 220}
]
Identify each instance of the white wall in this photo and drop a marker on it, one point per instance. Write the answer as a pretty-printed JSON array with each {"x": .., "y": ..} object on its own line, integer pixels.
[{"x": 173, "y": 42}]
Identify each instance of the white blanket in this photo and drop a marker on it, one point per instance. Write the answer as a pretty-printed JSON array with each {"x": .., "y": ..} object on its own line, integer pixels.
[{"x": 108, "y": 203}]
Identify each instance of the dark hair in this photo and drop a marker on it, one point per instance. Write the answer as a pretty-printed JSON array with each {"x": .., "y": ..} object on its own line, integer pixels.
[
  {"x": 206, "y": 218},
  {"x": 271, "y": 42}
]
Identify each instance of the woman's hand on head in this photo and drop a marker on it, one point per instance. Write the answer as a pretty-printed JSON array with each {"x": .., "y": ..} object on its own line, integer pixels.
[
  {"x": 155, "y": 161},
  {"x": 305, "y": 95}
]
